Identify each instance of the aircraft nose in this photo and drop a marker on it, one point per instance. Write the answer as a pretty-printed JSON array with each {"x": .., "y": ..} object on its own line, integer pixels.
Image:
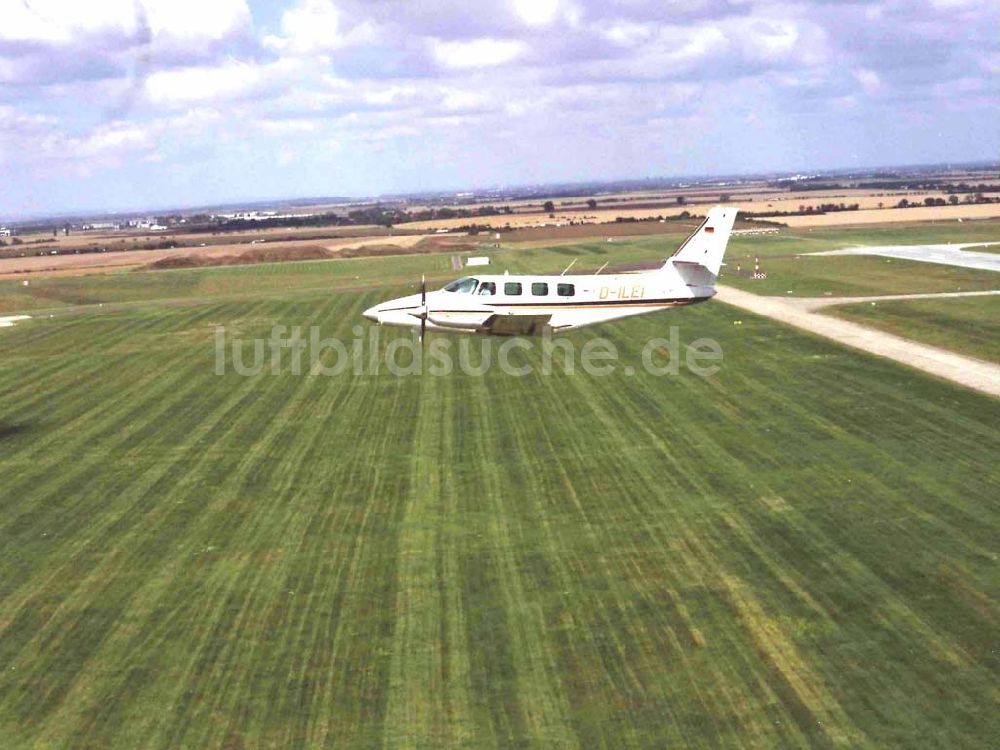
[{"x": 372, "y": 313}]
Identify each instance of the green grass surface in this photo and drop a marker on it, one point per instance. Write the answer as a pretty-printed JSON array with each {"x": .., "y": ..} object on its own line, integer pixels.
[
  {"x": 804, "y": 277},
  {"x": 968, "y": 325},
  {"x": 276, "y": 279},
  {"x": 804, "y": 240},
  {"x": 858, "y": 275},
  {"x": 799, "y": 550}
]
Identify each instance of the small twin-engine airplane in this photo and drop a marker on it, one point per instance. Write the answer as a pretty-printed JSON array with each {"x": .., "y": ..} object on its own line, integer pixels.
[{"x": 529, "y": 305}]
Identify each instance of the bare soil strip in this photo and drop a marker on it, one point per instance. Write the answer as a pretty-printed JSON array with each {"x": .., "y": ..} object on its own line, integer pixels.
[
  {"x": 965, "y": 371},
  {"x": 887, "y": 215},
  {"x": 189, "y": 257}
]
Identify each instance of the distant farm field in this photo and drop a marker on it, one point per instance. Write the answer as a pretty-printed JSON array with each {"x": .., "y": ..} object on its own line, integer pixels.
[
  {"x": 871, "y": 212},
  {"x": 798, "y": 550},
  {"x": 879, "y": 216}
]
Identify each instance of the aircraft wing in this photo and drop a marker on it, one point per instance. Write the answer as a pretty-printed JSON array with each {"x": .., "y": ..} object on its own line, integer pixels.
[{"x": 517, "y": 325}]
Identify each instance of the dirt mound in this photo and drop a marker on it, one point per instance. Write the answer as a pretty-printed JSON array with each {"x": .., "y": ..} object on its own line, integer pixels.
[
  {"x": 422, "y": 248},
  {"x": 180, "y": 261},
  {"x": 273, "y": 254},
  {"x": 283, "y": 253},
  {"x": 278, "y": 254}
]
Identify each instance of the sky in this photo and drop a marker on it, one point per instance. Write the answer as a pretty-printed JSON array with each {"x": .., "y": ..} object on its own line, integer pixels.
[{"x": 130, "y": 104}]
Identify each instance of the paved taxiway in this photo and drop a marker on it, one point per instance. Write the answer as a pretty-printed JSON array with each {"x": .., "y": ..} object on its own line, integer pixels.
[
  {"x": 972, "y": 373},
  {"x": 951, "y": 255}
]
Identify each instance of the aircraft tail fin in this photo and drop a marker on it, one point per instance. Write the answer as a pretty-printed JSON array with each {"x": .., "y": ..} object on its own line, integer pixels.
[{"x": 699, "y": 259}]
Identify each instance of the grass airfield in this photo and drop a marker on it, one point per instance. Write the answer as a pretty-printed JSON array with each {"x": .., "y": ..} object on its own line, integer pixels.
[
  {"x": 797, "y": 551},
  {"x": 967, "y": 326}
]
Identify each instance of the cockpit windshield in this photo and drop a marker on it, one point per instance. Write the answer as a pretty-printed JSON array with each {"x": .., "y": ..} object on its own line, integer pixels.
[{"x": 465, "y": 285}]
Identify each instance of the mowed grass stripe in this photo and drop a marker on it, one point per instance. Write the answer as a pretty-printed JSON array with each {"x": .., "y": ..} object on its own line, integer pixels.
[
  {"x": 284, "y": 697},
  {"x": 542, "y": 700},
  {"x": 669, "y": 639},
  {"x": 885, "y": 489},
  {"x": 42, "y": 498},
  {"x": 419, "y": 712},
  {"x": 496, "y": 713},
  {"x": 673, "y": 636},
  {"x": 103, "y": 383},
  {"x": 872, "y": 445},
  {"x": 148, "y": 407},
  {"x": 235, "y": 579},
  {"x": 107, "y": 559},
  {"x": 272, "y": 600},
  {"x": 569, "y": 563},
  {"x": 101, "y": 380},
  {"x": 350, "y": 712},
  {"x": 64, "y": 366},
  {"x": 565, "y": 559},
  {"x": 207, "y": 371},
  {"x": 898, "y": 620},
  {"x": 965, "y": 325}
]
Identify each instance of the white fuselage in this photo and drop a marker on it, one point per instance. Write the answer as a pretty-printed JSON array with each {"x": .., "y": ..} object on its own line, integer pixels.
[
  {"x": 530, "y": 304},
  {"x": 527, "y": 305}
]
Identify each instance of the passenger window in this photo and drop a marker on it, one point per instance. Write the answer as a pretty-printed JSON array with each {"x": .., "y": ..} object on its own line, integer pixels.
[
  {"x": 512, "y": 288},
  {"x": 565, "y": 290},
  {"x": 487, "y": 288},
  {"x": 540, "y": 289}
]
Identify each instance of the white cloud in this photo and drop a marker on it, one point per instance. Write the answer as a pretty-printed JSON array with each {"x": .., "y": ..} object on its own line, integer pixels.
[
  {"x": 65, "y": 21},
  {"x": 314, "y": 26},
  {"x": 116, "y": 136},
  {"x": 477, "y": 53},
  {"x": 953, "y": 4},
  {"x": 288, "y": 127},
  {"x": 215, "y": 19},
  {"x": 382, "y": 134},
  {"x": 869, "y": 81},
  {"x": 61, "y": 20},
  {"x": 704, "y": 42},
  {"x": 457, "y": 100},
  {"x": 964, "y": 87},
  {"x": 185, "y": 85},
  {"x": 628, "y": 34},
  {"x": 389, "y": 95},
  {"x": 536, "y": 12},
  {"x": 990, "y": 62},
  {"x": 310, "y": 25},
  {"x": 112, "y": 141},
  {"x": 771, "y": 39},
  {"x": 785, "y": 41},
  {"x": 398, "y": 74}
]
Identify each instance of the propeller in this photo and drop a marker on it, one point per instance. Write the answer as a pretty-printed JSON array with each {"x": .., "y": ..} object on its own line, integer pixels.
[{"x": 423, "y": 306}]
